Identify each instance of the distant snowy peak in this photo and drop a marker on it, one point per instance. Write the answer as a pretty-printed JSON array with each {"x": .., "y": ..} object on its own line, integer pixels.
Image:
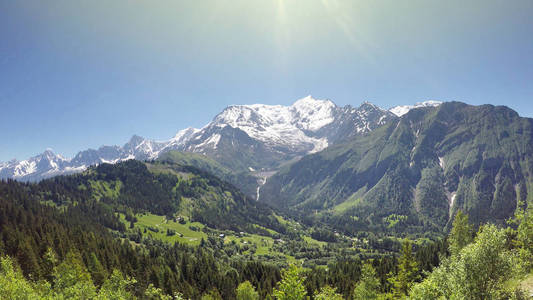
[
  {"x": 306, "y": 113},
  {"x": 184, "y": 135},
  {"x": 46, "y": 162},
  {"x": 276, "y": 125},
  {"x": 312, "y": 114},
  {"x": 49, "y": 164},
  {"x": 258, "y": 135},
  {"x": 403, "y": 109}
]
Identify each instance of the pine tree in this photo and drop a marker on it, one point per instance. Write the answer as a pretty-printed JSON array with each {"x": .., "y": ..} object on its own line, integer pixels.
[
  {"x": 49, "y": 264},
  {"x": 407, "y": 271},
  {"x": 461, "y": 233},
  {"x": 97, "y": 271}
]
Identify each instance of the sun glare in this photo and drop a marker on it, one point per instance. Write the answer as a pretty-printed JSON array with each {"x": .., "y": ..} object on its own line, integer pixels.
[{"x": 349, "y": 27}]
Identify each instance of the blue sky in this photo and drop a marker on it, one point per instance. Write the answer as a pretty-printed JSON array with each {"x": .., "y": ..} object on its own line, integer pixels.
[{"x": 80, "y": 74}]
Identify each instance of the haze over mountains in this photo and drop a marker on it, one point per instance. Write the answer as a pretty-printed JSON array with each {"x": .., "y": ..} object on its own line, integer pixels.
[{"x": 241, "y": 137}]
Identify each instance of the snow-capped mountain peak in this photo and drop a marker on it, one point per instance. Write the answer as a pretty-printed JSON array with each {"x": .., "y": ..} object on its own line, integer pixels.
[
  {"x": 241, "y": 136},
  {"x": 310, "y": 103},
  {"x": 312, "y": 114},
  {"x": 403, "y": 109},
  {"x": 370, "y": 106},
  {"x": 183, "y": 135},
  {"x": 277, "y": 125},
  {"x": 46, "y": 162}
]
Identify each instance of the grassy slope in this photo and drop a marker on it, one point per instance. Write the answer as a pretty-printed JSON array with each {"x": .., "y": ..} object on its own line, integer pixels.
[
  {"x": 262, "y": 245},
  {"x": 184, "y": 233},
  {"x": 244, "y": 180}
]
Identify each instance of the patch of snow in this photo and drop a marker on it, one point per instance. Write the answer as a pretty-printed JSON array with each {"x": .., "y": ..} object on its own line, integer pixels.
[
  {"x": 312, "y": 114},
  {"x": 131, "y": 156},
  {"x": 76, "y": 169},
  {"x": 24, "y": 168},
  {"x": 184, "y": 135},
  {"x": 320, "y": 145},
  {"x": 211, "y": 141},
  {"x": 403, "y": 109},
  {"x": 257, "y": 192},
  {"x": 451, "y": 201},
  {"x": 400, "y": 110},
  {"x": 113, "y": 161},
  {"x": 262, "y": 180},
  {"x": 441, "y": 162}
]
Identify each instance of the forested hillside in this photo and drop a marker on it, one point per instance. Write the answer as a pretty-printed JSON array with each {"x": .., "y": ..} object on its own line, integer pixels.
[
  {"x": 161, "y": 188},
  {"x": 243, "y": 180},
  {"x": 413, "y": 174},
  {"x": 79, "y": 236},
  {"x": 93, "y": 226}
]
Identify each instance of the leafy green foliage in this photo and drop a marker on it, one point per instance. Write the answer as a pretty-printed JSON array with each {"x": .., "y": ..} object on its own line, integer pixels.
[
  {"x": 246, "y": 291},
  {"x": 369, "y": 285},
  {"x": 523, "y": 240},
  {"x": 327, "y": 293},
  {"x": 478, "y": 271},
  {"x": 72, "y": 279},
  {"x": 211, "y": 295},
  {"x": 117, "y": 287},
  {"x": 291, "y": 286},
  {"x": 154, "y": 293},
  {"x": 13, "y": 285},
  {"x": 71, "y": 282}
]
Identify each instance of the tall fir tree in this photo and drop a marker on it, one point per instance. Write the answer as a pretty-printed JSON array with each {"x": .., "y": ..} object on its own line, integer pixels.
[{"x": 407, "y": 271}]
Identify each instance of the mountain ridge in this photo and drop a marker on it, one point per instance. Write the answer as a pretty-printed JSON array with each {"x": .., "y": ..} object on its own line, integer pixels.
[
  {"x": 417, "y": 171},
  {"x": 261, "y": 136}
]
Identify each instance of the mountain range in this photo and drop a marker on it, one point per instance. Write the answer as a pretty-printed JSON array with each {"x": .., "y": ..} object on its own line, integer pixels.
[
  {"x": 416, "y": 171},
  {"x": 261, "y": 186},
  {"x": 243, "y": 138}
]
